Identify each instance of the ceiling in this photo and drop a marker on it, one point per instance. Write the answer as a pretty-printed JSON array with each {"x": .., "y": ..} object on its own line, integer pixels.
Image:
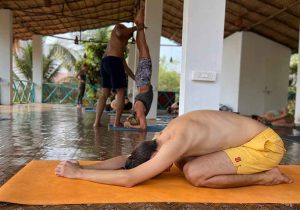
[{"x": 277, "y": 20}]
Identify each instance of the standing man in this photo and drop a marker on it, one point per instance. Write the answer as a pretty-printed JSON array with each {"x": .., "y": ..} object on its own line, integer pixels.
[{"x": 113, "y": 71}]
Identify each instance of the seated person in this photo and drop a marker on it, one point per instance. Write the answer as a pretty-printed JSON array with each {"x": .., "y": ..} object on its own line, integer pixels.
[
  {"x": 280, "y": 116},
  {"x": 112, "y": 97},
  {"x": 275, "y": 117},
  {"x": 174, "y": 108},
  {"x": 127, "y": 104}
]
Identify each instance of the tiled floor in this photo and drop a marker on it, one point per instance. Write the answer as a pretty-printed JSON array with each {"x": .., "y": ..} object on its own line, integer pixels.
[{"x": 30, "y": 132}]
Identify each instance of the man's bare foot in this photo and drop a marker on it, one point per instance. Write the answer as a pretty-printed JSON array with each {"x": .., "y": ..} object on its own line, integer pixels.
[{"x": 275, "y": 176}]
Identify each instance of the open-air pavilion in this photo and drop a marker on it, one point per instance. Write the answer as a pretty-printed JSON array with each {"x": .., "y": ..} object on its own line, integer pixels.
[{"x": 234, "y": 52}]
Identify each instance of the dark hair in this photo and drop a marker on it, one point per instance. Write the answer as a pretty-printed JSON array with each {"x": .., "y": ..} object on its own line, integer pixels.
[{"x": 141, "y": 154}]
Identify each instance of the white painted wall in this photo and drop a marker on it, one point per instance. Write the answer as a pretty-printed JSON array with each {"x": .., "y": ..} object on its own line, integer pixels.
[
  {"x": 6, "y": 36},
  {"x": 202, "y": 48},
  {"x": 262, "y": 83},
  {"x": 230, "y": 77}
]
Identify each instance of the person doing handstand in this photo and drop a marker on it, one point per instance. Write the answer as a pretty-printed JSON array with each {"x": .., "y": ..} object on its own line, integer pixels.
[
  {"x": 143, "y": 99},
  {"x": 214, "y": 149}
]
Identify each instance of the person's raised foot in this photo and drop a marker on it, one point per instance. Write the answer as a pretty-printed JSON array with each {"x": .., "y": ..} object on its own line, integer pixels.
[
  {"x": 139, "y": 19},
  {"x": 275, "y": 176}
]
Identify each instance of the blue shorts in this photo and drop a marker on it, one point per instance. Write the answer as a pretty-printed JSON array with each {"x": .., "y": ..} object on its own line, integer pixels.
[{"x": 113, "y": 73}]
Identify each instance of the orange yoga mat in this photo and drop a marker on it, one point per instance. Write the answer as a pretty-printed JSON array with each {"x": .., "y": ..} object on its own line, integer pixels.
[{"x": 36, "y": 184}]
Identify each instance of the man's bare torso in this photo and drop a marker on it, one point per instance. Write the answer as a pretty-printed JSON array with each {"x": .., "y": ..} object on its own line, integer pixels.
[
  {"x": 116, "y": 45},
  {"x": 202, "y": 132}
]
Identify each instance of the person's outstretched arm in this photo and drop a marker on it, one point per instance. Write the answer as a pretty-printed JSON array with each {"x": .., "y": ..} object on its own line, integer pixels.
[
  {"x": 128, "y": 178},
  {"x": 109, "y": 164},
  {"x": 128, "y": 70}
]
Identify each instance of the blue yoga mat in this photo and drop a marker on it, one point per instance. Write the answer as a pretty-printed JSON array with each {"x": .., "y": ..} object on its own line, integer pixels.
[
  {"x": 150, "y": 128},
  {"x": 91, "y": 109},
  {"x": 2, "y": 119}
]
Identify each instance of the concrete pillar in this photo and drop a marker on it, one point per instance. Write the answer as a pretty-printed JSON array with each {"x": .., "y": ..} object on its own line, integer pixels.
[
  {"x": 132, "y": 65},
  {"x": 153, "y": 20},
  {"x": 6, "y": 37},
  {"x": 202, "y": 45},
  {"x": 37, "y": 66},
  {"x": 297, "y": 103}
]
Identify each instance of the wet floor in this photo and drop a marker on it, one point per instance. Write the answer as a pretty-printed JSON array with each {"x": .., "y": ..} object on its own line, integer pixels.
[{"x": 54, "y": 132}]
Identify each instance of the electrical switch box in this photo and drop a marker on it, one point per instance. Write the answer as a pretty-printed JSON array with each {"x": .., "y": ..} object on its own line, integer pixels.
[{"x": 204, "y": 76}]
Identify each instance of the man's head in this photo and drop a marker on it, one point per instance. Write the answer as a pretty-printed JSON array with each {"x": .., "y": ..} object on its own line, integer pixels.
[
  {"x": 142, "y": 153},
  {"x": 133, "y": 120},
  {"x": 120, "y": 27}
]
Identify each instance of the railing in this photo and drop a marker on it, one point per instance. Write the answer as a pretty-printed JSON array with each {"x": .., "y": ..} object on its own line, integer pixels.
[
  {"x": 67, "y": 94},
  {"x": 166, "y": 99},
  {"x": 23, "y": 92}
]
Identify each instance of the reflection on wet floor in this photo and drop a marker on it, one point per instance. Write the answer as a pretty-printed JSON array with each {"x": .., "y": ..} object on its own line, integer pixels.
[
  {"x": 59, "y": 132},
  {"x": 64, "y": 132}
]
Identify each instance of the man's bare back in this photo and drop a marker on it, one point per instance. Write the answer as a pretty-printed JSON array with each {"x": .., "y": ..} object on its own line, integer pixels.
[
  {"x": 203, "y": 132},
  {"x": 118, "y": 41}
]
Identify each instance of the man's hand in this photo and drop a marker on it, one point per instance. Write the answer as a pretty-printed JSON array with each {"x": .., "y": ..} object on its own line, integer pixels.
[
  {"x": 68, "y": 169},
  {"x": 127, "y": 124}
]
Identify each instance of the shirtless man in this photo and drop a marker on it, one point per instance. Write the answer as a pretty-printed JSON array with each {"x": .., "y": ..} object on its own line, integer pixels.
[
  {"x": 213, "y": 149},
  {"x": 113, "y": 71},
  {"x": 143, "y": 99}
]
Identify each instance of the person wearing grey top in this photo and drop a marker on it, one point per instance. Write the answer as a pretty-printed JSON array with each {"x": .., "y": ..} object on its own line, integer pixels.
[{"x": 143, "y": 99}]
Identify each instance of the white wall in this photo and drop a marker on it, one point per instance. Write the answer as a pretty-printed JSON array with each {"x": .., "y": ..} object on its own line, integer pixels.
[
  {"x": 261, "y": 80},
  {"x": 230, "y": 78},
  {"x": 264, "y": 74}
]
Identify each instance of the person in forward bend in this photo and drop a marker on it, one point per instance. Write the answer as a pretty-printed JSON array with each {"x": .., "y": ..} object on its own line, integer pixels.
[{"x": 214, "y": 149}]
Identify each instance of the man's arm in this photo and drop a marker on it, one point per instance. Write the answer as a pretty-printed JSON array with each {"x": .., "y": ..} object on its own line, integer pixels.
[
  {"x": 128, "y": 70},
  {"x": 109, "y": 164},
  {"x": 168, "y": 153},
  {"x": 78, "y": 74}
]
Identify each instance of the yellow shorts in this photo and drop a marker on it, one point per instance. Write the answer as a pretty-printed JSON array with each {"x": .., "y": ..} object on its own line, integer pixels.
[{"x": 262, "y": 153}]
